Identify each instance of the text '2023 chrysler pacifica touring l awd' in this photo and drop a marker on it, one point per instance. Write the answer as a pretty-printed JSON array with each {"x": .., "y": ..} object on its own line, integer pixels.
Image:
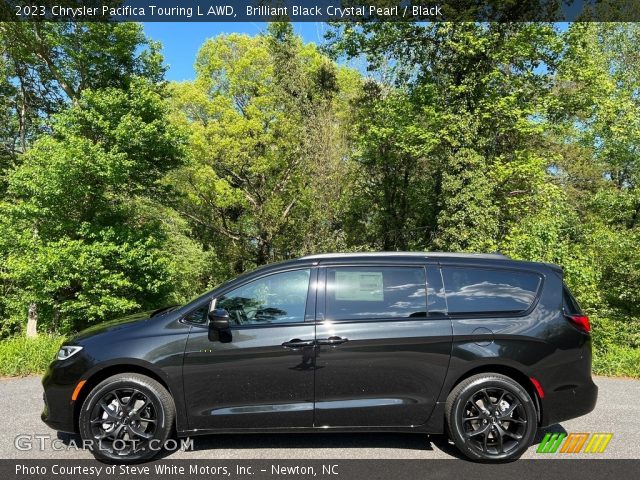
[{"x": 481, "y": 347}]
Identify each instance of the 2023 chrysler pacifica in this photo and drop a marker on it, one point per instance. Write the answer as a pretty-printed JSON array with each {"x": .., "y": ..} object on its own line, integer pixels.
[{"x": 482, "y": 347}]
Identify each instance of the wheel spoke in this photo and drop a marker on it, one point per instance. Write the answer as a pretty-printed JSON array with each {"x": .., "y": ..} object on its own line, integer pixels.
[
  {"x": 485, "y": 441},
  {"x": 514, "y": 420},
  {"x": 138, "y": 411},
  {"x": 115, "y": 433},
  {"x": 140, "y": 433},
  {"x": 119, "y": 432},
  {"x": 96, "y": 421},
  {"x": 509, "y": 410},
  {"x": 500, "y": 439},
  {"x": 469, "y": 419},
  {"x": 486, "y": 401},
  {"x": 133, "y": 399},
  {"x": 479, "y": 431},
  {"x": 110, "y": 413},
  {"x": 118, "y": 398},
  {"x": 515, "y": 436},
  {"x": 147, "y": 420}
]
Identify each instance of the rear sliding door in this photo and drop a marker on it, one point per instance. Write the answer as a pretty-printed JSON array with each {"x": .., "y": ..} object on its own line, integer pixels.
[{"x": 381, "y": 356}]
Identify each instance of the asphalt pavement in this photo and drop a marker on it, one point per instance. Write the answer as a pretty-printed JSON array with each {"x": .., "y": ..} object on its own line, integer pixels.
[{"x": 617, "y": 411}]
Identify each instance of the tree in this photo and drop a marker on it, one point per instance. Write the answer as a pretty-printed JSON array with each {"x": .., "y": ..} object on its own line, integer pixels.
[
  {"x": 84, "y": 236},
  {"x": 472, "y": 92},
  {"x": 263, "y": 117},
  {"x": 596, "y": 124},
  {"x": 45, "y": 66},
  {"x": 467, "y": 220},
  {"x": 390, "y": 205}
]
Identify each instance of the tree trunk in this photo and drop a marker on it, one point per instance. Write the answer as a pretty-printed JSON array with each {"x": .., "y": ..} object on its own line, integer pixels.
[{"x": 32, "y": 322}]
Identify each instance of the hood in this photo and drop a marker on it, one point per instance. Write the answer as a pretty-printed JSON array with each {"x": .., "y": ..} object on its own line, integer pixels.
[{"x": 120, "y": 323}]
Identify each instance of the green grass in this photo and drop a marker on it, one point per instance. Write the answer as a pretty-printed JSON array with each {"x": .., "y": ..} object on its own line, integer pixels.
[
  {"x": 21, "y": 356},
  {"x": 617, "y": 361}
]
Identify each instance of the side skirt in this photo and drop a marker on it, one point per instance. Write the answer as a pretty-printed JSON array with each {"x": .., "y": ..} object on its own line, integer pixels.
[{"x": 434, "y": 426}]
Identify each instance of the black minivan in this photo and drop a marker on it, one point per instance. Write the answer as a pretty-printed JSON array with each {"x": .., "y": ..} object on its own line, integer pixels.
[{"x": 484, "y": 348}]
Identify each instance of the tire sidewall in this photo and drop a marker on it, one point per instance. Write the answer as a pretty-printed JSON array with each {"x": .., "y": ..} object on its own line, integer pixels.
[
  {"x": 162, "y": 429},
  {"x": 455, "y": 421}
]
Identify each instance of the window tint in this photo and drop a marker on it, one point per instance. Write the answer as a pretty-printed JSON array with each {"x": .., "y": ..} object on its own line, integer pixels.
[
  {"x": 362, "y": 293},
  {"x": 278, "y": 298},
  {"x": 436, "y": 299},
  {"x": 198, "y": 315},
  {"x": 477, "y": 290},
  {"x": 571, "y": 306}
]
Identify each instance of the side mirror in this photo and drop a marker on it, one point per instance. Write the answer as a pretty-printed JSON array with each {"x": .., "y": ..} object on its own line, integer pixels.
[
  {"x": 219, "y": 319},
  {"x": 219, "y": 327}
]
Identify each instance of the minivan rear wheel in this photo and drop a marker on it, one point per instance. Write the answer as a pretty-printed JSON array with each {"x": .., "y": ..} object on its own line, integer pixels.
[
  {"x": 491, "y": 417},
  {"x": 127, "y": 418}
]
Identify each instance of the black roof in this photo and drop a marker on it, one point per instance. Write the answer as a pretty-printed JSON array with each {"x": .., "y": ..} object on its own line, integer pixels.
[
  {"x": 449, "y": 257},
  {"x": 338, "y": 256}
]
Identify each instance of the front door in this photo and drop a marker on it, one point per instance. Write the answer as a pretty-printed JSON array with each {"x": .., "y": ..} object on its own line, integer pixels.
[
  {"x": 262, "y": 376},
  {"x": 381, "y": 359}
]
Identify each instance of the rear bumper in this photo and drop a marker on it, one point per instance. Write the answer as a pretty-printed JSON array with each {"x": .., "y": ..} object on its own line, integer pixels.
[{"x": 568, "y": 402}]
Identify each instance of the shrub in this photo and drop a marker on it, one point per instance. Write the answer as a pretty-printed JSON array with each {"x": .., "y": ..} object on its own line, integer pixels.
[
  {"x": 28, "y": 356},
  {"x": 616, "y": 346}
]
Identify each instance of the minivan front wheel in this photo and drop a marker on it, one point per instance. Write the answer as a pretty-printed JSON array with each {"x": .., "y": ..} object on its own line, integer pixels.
[
  {"x": 127, "y": 418},
  {"x": 490, "y": 417}
]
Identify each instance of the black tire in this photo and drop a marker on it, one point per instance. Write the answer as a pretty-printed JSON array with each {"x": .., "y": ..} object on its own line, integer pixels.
[
  {"x": 491, "y": 418},
  {"x": 120, "y": 431}
]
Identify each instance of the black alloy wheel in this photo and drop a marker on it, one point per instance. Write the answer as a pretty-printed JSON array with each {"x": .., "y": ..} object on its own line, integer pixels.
[
  {"x": 127, "y": 418},
  {"x": 491, "y": 418},
  {"x": 124, "y": 414}
]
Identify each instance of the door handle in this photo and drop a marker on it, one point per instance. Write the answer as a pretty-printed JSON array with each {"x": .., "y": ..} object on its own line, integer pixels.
[
  {"x": 297, "y": 343},
  {"x": 332, "y": 341}
]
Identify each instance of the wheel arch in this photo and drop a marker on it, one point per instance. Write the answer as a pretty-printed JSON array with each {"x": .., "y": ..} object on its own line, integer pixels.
[
  {"x": 515, "y": 374},
  {"x": 100, "y": 374}
]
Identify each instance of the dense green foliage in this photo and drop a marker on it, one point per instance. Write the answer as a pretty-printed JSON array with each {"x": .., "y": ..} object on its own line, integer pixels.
[
  {"x": 27, "y": 356},
  {"x": 266, "y": 117},
  {"x": 528, "y": 145},
  {"x": 120, "y": 191}
]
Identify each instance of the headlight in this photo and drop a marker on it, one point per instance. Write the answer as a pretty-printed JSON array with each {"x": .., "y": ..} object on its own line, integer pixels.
[{"x": 68, "y": 351}]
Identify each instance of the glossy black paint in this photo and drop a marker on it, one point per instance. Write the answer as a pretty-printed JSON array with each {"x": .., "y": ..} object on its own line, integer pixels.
[
  {"x": 251, "y": 381},
  {"x": 328, "y": 374},
  {"x": 388, "y": 373}
]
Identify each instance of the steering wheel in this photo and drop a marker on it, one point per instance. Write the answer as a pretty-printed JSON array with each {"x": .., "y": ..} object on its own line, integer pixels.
[{"x": 239, "y": 315}]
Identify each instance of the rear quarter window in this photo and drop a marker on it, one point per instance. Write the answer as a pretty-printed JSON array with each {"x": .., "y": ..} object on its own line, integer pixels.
[
  {"x": 570, "y": 304},
  {"x": 489, "y": 291}
]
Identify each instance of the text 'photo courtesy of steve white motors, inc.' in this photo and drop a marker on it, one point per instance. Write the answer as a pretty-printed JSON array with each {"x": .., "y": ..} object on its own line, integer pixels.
[
  {"x": 319, "y": 239},
  {"x": 180, "y": 469}
]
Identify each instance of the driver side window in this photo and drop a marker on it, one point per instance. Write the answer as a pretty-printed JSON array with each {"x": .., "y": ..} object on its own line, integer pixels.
[{"x": 278, "y": 298}]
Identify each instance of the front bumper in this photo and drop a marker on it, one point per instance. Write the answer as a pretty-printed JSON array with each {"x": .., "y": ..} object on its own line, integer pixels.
[
  {"x": 57, "y": 414},
  {"x": 59, "y": 383}
]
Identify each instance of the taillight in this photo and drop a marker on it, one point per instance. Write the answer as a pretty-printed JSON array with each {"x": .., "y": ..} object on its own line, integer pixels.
[{"x": 581, "y": 322}]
